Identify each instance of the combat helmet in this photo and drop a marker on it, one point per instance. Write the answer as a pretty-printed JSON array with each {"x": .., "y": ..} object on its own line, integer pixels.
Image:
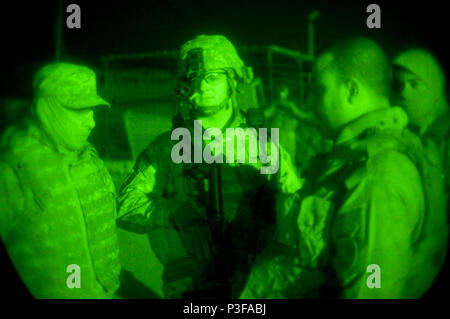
[{"x": 208, "y": 53}]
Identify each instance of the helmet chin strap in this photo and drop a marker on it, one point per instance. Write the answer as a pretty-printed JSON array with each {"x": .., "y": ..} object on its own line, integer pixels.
[
  {"x": 225, "y": 105},
  {"x": 220, "y": 119}
]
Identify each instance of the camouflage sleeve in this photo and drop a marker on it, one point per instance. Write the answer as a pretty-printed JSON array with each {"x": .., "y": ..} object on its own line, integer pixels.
[
  {"x": 375, "y": 226},
  {"x": 289, "y": 179},
  {"x": 36, "y": 256},
  {"x": 142, "y": 206},
  {"x": 276, "y": 272},
  {"x": 287, "y": 184},
  {"x": 12, "y": 199}
]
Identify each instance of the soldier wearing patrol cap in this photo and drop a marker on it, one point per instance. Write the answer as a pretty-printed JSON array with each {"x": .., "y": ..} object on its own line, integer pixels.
[
  {"x": 57, "y": 202},
  {"x": 206, "y": 243}
]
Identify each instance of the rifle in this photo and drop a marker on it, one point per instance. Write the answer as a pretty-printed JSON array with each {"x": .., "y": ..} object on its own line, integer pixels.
[{"x": 216, "y": 274}]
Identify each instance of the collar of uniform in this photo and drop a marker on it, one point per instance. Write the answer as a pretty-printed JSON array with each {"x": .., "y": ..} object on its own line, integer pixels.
[
  {"x": 365, "y": 135},
  {"x": 379, "y": 131},
  {"x": 372, "y": 122}
]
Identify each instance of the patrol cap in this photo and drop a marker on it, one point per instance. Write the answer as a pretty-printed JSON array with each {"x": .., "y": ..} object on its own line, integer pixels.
[
  {"x": 211, "y": 52},
  {"x": 74, "y": 86}
]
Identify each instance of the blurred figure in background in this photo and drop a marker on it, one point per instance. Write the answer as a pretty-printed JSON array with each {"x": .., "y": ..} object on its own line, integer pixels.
[
  {"x": 420, "y": 88},
  {"x": 299, "y": 134},
  {"x": 57, "y": 200}
]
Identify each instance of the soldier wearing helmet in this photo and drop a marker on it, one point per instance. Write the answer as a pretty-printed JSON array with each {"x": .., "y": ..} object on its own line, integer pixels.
[{"x": 206, "y": 222}]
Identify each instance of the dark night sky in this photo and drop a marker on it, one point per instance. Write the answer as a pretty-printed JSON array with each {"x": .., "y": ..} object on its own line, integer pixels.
[{"x": 28, "y": 29}]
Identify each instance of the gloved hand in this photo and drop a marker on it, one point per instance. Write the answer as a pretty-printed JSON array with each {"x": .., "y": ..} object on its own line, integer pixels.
[
  {"x": 195, "y": 233},
  {"x": 278, "y": 274}
]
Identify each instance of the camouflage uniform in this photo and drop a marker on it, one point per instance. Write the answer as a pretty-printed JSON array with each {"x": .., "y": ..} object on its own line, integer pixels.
[
  {"x": 158, "y": 188},
  {"x": 419, "y": 87},
  {"x": 436, "y": 140},
  {"x": 58, "y": 207},
  {"x": 378, "y": 200}
]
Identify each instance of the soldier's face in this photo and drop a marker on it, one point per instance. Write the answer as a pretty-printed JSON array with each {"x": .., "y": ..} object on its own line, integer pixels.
[
  {"x": 413, "y": 93},
  {"x": 81, "y": 122},
  {"x": 211, "y": 92},
  {"x": 418, "y": 85},
  {"x": 69, "y": 127},
  {"x": 329, "y": 96}
]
